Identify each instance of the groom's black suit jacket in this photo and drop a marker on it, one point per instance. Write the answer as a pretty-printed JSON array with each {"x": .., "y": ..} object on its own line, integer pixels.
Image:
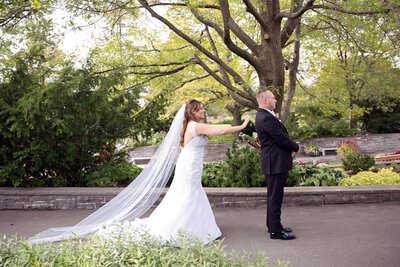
[{"x": 276, "y": 146}]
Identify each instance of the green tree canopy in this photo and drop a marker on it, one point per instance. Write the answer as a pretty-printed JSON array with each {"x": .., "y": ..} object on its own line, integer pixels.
[{"x": 55, "y": 118}]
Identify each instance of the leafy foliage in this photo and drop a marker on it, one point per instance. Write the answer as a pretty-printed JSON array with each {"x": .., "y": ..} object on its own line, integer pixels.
[
  {"x": 384, "y": 176},
  {"x": 150, "y": 251},
  {"x": 116, "y": 171},
  {"x": 313, "y": 175},
  {"x": 151, "y": 139},
  {"x": 357, "y": 63},
  {"x": 382, "y": 119},
  {"x": 241, "y": 168},
  {"x": 358, "y": 162},
  {"x": 307, "y": 121},
  {"x": 54, "y": 118},
  {"x": 349, "y": 153}
]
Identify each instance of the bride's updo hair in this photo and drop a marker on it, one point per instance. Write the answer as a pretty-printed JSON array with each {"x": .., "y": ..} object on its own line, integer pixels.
[{"x": 192, "y": 105}]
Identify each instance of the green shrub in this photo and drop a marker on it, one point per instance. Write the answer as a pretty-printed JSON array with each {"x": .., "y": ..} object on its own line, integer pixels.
[
  {"x": 150, "y": 251},
  {"x": 114, "y": 172},
  {"x": 385, "y": 176},
  {"x": 213, "y": 174},
  {"x": 382, "y": 119},
  {"x": 352, "y": 160},
  {"x": 54, "y": 118},
  {"x": 313, "y": 175},
  {"x": 151, "y": 138},
  {"x": 241, "y": 168},
  {"x": 294, "y": 177},
  {"x": 303, "y": 126},
  {"x": 358, "y": 162}
]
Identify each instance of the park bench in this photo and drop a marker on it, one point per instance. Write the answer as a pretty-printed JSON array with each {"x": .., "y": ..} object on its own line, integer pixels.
[{"x": 326, "y": 149}]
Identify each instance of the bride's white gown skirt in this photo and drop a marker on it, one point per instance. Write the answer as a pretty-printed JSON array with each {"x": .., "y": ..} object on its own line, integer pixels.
[{"x": 185, "y": 207}]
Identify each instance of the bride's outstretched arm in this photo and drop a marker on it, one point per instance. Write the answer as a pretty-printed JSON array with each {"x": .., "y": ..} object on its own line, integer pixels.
[{"x": 202, "y": 128}]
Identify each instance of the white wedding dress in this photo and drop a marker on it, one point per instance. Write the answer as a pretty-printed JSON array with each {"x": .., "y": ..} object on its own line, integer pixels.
[{"x": 185, "y": 207}]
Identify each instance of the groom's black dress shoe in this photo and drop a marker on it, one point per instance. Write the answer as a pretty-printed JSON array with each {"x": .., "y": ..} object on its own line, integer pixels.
[
  {"x": 287, "y": 230},
  {"x": 282, "y": 235}
]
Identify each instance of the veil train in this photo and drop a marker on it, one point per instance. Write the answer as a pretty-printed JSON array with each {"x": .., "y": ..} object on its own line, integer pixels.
[{"x": 132, "y": 202}]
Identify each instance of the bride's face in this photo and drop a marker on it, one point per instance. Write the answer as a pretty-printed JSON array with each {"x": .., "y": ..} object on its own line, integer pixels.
[{"x": 199, "y": 114}]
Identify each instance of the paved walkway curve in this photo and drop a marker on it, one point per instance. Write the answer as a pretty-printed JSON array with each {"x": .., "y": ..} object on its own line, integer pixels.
[{"x": 327, "y": 235}]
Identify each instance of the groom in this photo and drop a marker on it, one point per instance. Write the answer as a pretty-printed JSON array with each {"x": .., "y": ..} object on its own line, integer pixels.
[{"x": 277, "y": 151}]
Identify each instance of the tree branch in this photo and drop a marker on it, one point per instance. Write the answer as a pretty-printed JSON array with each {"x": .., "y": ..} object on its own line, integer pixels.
[
  {"x": 17, "y": 15},
  {"x": 290, "y": 25},
  {"x": 215, "y": 51},
  {"x": 163, "y": 73},
  {"x": 229, "y": 25},
  {"x": 238, "y": 95},
  {"x": 237, "y": 78},
  {"x": 148, "y": 65},
  {"x": 253, "y": 46},
  {"x": 194, "y": 79},
  {"x": 185, "y": 5},
  {"x": 359, "y": 13},
  {"x": 252, "y": 10},
  {"x": 296, "y": 14},
  {"x": 112, "y": 9}
]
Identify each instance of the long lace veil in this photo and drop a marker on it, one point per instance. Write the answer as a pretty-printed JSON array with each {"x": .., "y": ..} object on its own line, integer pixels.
[{"x": 138, "y": 197}]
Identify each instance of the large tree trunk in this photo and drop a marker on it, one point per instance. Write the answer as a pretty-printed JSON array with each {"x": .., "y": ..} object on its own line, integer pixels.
[
  {"x": 265, "y": 57},
  {"x": 293, "y": 68},
  {"x": 236, "y": 111}
]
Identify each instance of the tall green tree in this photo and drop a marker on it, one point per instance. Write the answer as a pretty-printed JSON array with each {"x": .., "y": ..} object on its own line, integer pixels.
[
  {"x": 356, "y": 59},
  {"x": 54, "y": 118},
  {"x": 223, "y": 39}
]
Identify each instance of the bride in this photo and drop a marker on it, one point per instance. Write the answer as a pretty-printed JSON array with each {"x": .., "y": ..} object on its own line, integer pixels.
[{"x": 184, "y": 208}]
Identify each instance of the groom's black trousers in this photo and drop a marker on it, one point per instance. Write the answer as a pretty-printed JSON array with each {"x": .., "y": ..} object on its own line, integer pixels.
[{"x": 275, "y": 185}]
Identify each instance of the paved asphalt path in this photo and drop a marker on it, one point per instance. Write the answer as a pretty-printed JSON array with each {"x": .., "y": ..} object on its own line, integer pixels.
[{"x": 329, "y": 235}]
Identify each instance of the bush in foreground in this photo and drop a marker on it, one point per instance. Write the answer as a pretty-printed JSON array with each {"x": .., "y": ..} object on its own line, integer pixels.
[{"x": 99, "y": 252}]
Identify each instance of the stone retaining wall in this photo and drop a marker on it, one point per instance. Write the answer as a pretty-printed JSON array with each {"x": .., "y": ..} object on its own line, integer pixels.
[
  {"x": 93, "y": 198},
  {"x": 370, "y": 144},
  {"x": 212, "y": 151}
]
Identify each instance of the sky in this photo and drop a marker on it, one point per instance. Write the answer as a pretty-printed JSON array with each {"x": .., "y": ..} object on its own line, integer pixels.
[
  {"x": 79, "y": 40},
  {"x": 76, "y": 41}
]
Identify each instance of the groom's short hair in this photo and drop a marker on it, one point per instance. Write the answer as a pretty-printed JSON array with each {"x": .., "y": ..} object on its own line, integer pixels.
[{"x": 261, "y": 95}]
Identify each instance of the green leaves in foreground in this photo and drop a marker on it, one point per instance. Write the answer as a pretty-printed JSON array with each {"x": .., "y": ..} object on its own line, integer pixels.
[{"x": 96, "y": 251}]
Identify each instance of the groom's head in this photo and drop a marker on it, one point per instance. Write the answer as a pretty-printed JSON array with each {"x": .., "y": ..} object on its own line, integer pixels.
[{"x": 266, "y": 99}]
